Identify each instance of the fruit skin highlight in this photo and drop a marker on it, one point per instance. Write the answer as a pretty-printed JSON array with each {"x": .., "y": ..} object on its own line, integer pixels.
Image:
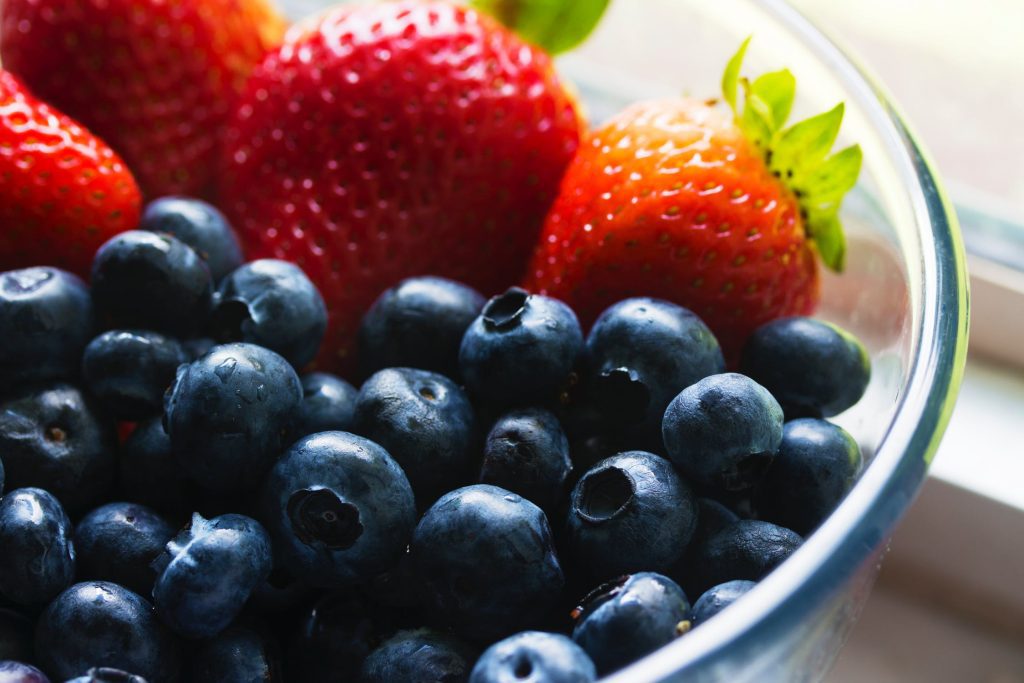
[{"x": 439, "y": 138}]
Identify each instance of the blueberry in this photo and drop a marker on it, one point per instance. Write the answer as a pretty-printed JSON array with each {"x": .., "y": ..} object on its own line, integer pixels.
[
  {"x": 723, "y": 431},
  {"x": 487, "y": 560},
  {"x": 328, "y": 404},
  {"x": 425, "y": 421},
  {"x": 630, "y": 512},
  {"x": 420, "y": 656},
  {"x": 534, "y": 657},
  {"x": 418, "y": 323},
  {"x": 118, "y": 541},
  {"x": 712, "y": 517},
  {"x": 108, "y": 675},
  {"x": 339, "y": 508},
  {"x": 238, "y": 655},
  {"x": 55, "y": 439},
  {"x": 332, "y": 641},
  {"x": 639, "y": 354},
  {"x": 38, "y": 558},
  {"x": 528, "y": 453},
  {"x": 816, "y": 466},
  {"x": 16, "y": 672},
  {"x": 717, "y": 598},
  {"x": 1, "y": 477},
  {"x": 208, "y": 571},
  {"x": 46, "y": 318},
  {"x": 197, "y": 347},
  {"x": 623, "y": 620},
  {"x": 15, "y": 636},
  {"x": 813, "y": 368},
  {"x": 271, "y": 303},
  {"x": 229, "y": 414},
  {"x": 149, "y": 472},
  {"x": 520, "y": 350},
  {"x": 96, "y": 624},
  {"x": 748, "y": 549},
  {"x": 141, "y": 280},
  {"x": 200, "y": 226},
  {"x": 129, "y": 370}
]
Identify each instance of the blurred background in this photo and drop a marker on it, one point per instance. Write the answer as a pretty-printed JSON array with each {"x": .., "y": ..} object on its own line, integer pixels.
[{"x": 949, "y": 605}]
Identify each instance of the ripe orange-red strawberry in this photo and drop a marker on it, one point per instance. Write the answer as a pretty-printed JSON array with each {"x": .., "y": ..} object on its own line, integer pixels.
[
  {"x": 63, "y": 192},
  {"x": 724, "y": 214},
  {"x": 153, "y": 78},
  {"x": 392, "y": 140}
]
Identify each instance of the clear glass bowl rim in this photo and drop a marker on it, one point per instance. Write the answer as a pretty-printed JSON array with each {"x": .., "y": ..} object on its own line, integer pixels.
[{"x": 861, "y": 525}]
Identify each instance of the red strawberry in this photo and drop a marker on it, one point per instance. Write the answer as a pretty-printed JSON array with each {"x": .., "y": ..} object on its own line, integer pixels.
[
  {"x": 724, "y": 215},
  {"x": 153, "y": 78},
  {"x": 63, "y": 192},
  {"x": 393, "y": 140}
]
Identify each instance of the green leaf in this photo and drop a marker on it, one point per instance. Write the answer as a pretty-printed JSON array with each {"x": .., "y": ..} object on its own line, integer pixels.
[
  {"x": 824, "y": 187},
  {"x": 756, "y": 120},
  {"x": 555, "y": 25},
  {"x": 827, "y": 233},
  {"x": 777, "y": 90},
  {"x": 803, "y": 145},
  {"x": 731, "y": 76}
]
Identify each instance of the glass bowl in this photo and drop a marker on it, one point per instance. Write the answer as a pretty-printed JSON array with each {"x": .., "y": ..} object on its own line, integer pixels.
[{"x": 904, "y": 293}]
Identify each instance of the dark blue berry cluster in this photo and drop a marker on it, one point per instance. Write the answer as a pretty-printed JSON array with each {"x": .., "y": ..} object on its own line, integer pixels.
[{"x": 502, "y": 498}]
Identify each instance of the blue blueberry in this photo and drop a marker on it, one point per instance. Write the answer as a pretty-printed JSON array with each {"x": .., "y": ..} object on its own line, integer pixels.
[
  {"x": 534, "y": 657},
  {"x": 200, "y": 226},
  {"x": 520, "y": 350},
  {"x": 149, "y": 473},
  {"x": 271, "y": 303},
  {"x": 128, "y": 371},
  {"x": 16, "y": 672},
  {"x": 229, "y": 415},
  {"x": 425, "y": 421},
  {"x": 15, "y": 636},
  {"x": 38, "y": 557},
  {"x": 328, "y": 404},
  {"x": 118, "y": 542},
  {"x": 639, "y": 355},
  {"x": 238, "y": 655},
  {"x": 55, "y": 439},
  {"x": 527, "y": 453},
  {"x": 97, "y": 624},
  {"x": 623, "y": 620},
  {"x": 712, "y": 517},
  {"x": 46, "y": 318},
  {"x": 142, "y": 280},
  {"x": 813, "y": 368},
  {"x": 208, "y": 571},
  {"x": 630, "y": 512},
  {"x": 723, "y": 431},
  {"x": 717, "y": 598},
  {"x": 332, "y": 640},
  {"x": 748, "y": 549},
  {"x": 418, "y": 323},
  {"x": 419, "y": 656},
  {"x": 108, "y": 675},
  {"x": 817, "y": 464},
  {"x": 339, "y": 508},
  {"x": 488, "y": 562}
]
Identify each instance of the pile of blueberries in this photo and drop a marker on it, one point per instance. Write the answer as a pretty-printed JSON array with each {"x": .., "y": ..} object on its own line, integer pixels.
[{"x": 503, "y": 499}]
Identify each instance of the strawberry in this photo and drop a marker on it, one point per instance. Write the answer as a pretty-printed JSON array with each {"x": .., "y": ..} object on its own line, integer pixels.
[
  {"x": 386, "y": 141},
  {"x": 63, "y": 192},
  {"x": 153, "y": 78},
  {"x": 725, "y": 215}
]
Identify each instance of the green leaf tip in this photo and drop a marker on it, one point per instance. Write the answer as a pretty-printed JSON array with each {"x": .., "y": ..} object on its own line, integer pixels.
[
  {"x": 554, "y": 25},
  {"x": 799, "y": 155}
]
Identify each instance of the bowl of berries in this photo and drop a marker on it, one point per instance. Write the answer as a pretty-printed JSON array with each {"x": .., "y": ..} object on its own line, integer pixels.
[{"x": 385, "y": 347}]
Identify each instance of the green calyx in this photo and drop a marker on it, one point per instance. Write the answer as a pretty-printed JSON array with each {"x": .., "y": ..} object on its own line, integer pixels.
[
  {"x": 799, "y": 155},
  {"x": 555, "y": 25}
]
